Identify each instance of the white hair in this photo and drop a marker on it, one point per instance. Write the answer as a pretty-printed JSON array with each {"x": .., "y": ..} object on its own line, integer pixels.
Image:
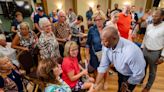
[
  {"x": 2, "y": 55},
  {"x": 113, "y": 13},
  {"x": 42, "y": 21},
  {"x": 2, "y": 37},
  {"x": 61, "y": 11}
]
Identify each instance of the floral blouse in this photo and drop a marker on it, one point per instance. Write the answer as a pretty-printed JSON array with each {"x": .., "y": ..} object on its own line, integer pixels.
[
  {"x": 48, "y": 45},
  {"x": 28, "y": 42},
  {"x": 58, "y": 88}
]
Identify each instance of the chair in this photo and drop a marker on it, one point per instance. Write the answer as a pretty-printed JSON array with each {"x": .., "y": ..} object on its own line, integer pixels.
[{"x": 27, "y": 63}]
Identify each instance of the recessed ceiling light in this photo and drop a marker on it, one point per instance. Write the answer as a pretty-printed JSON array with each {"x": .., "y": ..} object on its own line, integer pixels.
[{"x": 20, "y": 3}]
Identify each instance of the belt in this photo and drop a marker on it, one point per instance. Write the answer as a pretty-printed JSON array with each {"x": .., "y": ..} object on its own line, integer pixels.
[{"x": 152, "y": 50}]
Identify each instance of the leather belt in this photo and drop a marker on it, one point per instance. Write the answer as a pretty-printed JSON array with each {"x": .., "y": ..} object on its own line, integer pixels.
[{"x": 152, "y": 50}]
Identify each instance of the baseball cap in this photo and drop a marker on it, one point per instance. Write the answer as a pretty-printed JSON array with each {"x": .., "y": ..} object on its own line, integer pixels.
[{"x": 40, "y": 9}]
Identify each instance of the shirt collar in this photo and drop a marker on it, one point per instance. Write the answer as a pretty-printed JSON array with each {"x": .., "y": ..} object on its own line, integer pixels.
[
  {"x": 119, "y": 46},
  {"x": 61, "y": 23},
  {"x": 94, "y": 26}
]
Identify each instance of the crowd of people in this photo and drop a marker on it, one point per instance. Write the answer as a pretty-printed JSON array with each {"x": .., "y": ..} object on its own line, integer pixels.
[{"x": 69, "y": 59}]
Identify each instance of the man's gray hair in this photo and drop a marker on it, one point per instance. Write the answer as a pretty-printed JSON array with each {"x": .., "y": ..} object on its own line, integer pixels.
[
  {"x": 1, "y": 55},
  {"x": 2, "y": 37},
  {"x": 60, "y": 11},
  {"x": 42, "y": 21}
]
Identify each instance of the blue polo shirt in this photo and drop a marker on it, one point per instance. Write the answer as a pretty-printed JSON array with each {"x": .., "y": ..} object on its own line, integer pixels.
[
  {"x": 15, "y": 23},
  {"x": 37, "y": 17}
]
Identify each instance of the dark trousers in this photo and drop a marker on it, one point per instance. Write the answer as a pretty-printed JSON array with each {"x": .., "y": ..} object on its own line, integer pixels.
[
  {"x": 123, "y": 78},
  {"x": 151, "y": 57},
  {"x": 78, "y": 56},
  {"x": 61, "y": 49},
  {"x": 36, "y": 31}
]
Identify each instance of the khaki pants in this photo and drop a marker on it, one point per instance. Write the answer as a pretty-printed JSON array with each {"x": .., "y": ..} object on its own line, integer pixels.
[{"x": 82, "y": 53}]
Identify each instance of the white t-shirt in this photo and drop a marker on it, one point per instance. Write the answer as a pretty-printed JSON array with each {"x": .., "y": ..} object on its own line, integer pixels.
[
  {"x": 154, "y": 37},
  {"x": 9, "y": 52}
]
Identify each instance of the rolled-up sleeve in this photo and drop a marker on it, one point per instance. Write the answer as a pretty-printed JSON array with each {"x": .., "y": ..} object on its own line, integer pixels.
[
  {"x": 104, "y": 64},
  {"x": 137, "y": 66}
]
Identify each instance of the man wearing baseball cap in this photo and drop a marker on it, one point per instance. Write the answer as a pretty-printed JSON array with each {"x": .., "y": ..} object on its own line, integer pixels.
[{"x": 39, "y": 15}]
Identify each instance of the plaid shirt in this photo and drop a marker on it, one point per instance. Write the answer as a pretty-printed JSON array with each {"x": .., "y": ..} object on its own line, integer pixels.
[{"x": 61, "y": 30}]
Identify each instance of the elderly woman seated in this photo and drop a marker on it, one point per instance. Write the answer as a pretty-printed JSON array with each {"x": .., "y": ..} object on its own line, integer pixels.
[
  {"x": 5, "y": 48},
  {"x": 26, "y": 40},
  {"x": 48, "y": 72},
  {"x": 48, "y": 45},
  {"x": 10, "y": 79}
]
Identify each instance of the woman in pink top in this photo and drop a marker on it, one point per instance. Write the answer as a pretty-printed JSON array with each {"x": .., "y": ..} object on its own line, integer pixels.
[{"x": 71, "y": 69}]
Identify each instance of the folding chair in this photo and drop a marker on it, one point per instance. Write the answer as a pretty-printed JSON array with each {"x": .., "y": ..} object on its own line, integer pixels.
[{"x": 27, "y": 63}]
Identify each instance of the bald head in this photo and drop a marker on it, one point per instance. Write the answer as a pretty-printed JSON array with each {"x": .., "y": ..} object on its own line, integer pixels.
[
  {"x": 109, "y": 36},
  {"x": 126, "y": 9},
  {"x": 110, "y": 31}
]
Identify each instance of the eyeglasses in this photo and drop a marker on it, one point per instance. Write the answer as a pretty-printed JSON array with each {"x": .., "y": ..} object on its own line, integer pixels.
[
  {"x": 47, "y": 25},
  {"x": 75, "y": 49},
  {"x": 62, "y": 16},
  {"x": 98, "y": 19}
]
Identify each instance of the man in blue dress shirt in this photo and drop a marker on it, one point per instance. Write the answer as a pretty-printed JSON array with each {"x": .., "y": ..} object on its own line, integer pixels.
[{"x": 127, "y": 58}]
